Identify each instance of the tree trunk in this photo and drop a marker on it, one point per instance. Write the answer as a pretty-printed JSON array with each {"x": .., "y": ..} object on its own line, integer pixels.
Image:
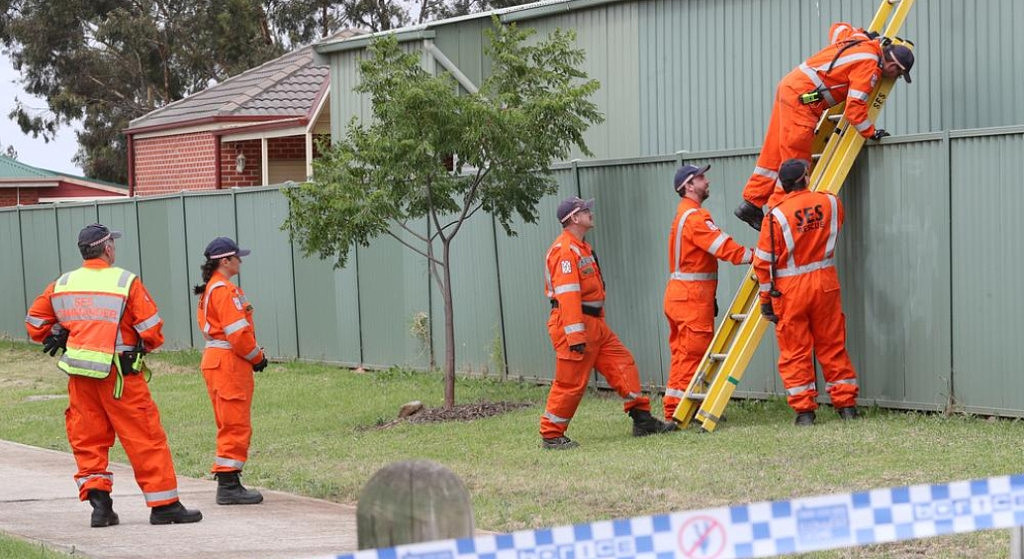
[{"x": 449, "y": 329}]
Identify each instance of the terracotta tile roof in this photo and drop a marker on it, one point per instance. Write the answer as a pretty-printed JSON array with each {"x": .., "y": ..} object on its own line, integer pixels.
[{"x": 285, "y": 87}]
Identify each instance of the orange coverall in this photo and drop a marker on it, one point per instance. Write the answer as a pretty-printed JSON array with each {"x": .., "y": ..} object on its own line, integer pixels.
[
  {"x": 574, "y": 282},
  {"x": 790, "y": 135},
  {"x": 94, "y": 416},
  {"x": 810, "y": 312},
  {"x": 694, "y": 246},
  {"x": 225, "y": 318}
]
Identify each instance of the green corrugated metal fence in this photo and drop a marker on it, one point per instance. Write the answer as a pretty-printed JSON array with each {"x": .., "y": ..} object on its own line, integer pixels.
[{"x": 928, "y": 263}]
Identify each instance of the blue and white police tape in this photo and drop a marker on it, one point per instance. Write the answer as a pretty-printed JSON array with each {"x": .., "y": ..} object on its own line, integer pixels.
[{"x": 756, "y": 530}]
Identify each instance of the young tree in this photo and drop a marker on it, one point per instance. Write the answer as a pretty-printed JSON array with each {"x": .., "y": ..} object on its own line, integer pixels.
[{"x": 431, "y": 152}]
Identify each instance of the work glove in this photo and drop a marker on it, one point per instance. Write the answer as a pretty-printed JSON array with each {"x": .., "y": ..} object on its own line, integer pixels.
[
  {"x": 879, "y": 134},
  {"x": 58, "y": 339},
  {"x": 769, "y": 313},
  {"x": 578, "y": 348},
  {"x": 260, "y": 366}
]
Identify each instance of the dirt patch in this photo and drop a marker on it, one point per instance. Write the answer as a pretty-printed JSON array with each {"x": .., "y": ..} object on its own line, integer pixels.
[{"x": 461, "y": 412}]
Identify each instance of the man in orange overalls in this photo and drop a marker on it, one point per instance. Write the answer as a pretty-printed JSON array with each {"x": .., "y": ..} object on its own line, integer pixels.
[
  {"x": 229, "y": 359},
  {"x": 799, "y": 289},
  {"x": 846, "y": 70},
  {"x": 695, "y": 244},
  {"x": 104, "y": 320},
  {"x": 581, "y": 337}
]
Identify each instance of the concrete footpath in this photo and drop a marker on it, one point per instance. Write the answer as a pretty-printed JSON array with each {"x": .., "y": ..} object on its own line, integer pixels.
[{"x": 39, "y": 502}]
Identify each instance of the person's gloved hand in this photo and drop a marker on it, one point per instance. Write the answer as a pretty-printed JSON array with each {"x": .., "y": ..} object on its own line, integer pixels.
[
  {"x": 716, "y": 307},
  {"x": 769, "y": 313},
  {"x": 578, "y": 348},
  {"x": 58, "y": 339},
  {"x": 261, "y": 365},
  {"x": 879, "y": 134}
]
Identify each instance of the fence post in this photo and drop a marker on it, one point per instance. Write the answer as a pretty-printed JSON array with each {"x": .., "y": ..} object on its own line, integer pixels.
[
  {"x": 1017, "y": 542},
  {"x": 413, "y": 501}
]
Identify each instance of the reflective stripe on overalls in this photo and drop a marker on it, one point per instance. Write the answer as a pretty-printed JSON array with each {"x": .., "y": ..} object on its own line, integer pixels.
[{"x": 90, "y": 302}]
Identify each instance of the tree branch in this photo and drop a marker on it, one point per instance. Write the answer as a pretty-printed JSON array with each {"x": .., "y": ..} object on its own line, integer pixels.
[
  {"x": 414, "y": 249},
  {"x": 467, "y": 201},
  {"x": 412, "y": 232}
]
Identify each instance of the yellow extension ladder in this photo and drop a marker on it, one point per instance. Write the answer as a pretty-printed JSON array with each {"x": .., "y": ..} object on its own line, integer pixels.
[{"x": 836, "y": 145}]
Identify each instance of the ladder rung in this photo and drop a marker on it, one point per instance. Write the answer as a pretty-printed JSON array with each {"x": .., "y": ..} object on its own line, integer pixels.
[
  {"x": 738, "y": 317},
  {"x": 719, "y": 356},
  {"x": 815, "y": 156},
  {"x": 697, "y": 396},
  {"x": 836, "y": 117}
]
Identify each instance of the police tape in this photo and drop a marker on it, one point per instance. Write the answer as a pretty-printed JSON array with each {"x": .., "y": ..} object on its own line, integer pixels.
[{"x": 761, "y": 529}]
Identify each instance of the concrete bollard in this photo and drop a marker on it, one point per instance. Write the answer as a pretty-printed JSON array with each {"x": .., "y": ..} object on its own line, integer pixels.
[{"x": 410, "y": 502}]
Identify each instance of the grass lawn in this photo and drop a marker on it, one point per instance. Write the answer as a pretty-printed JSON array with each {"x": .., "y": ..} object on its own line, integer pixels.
[
  {"x": 316, "y": 434},
  {"x": 14, "y": 548}
]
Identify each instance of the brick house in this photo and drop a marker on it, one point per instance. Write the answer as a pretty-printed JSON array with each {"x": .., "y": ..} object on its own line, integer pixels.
[
  {"x": 257, "y": 128},
  {"x": 22, "y": 184}
]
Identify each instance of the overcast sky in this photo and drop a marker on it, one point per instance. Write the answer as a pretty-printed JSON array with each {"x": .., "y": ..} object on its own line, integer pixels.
[{"x": 55, "y": 155}]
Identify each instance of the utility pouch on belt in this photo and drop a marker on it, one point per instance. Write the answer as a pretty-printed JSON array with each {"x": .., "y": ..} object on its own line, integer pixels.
[{"x": 592, "y": 311}]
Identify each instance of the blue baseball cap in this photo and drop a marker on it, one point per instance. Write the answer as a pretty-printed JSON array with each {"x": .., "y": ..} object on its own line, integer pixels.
[
  {"x": 223, "y": 247},
  {"x": 571, "y": 205},
  {"x": 94, "y": 234},
  {"x": 687, "y": 172}
]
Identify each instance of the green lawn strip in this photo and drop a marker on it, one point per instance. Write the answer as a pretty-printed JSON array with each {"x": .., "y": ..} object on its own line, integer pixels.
[
  {"x": 316, "y": 433},
  {"x": 15, "y": 548}
]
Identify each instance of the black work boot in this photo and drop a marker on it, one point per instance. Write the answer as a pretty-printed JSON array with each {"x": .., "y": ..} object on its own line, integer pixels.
[
  {"x": 231, "y": 492},
  {"x": 846, "y": 414},
  {"x": 751, "y": 214},
  {"x": 558, "y": 443},
  {"x": 102, "y": 509},
  {"x": 804, "y": 419},
  {"x": 645, "y": 424},
  {"x": 174, "y": 513}
]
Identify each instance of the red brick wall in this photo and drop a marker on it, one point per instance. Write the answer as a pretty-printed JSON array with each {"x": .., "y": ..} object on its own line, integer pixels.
[
  {"x": 169, "y": 164},
  {"x": 10, "y": 196},
  {"x": 291, "y": 147},
  {"x": 252, "y": 175},
  {"x": 68, "y": 189}
]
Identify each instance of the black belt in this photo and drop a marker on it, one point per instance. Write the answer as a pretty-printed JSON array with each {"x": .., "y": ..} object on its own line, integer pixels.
[{"x": 592, "y": 311}]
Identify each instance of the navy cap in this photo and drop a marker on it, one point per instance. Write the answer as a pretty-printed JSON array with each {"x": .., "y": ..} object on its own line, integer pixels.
[
  {"x": 687, "y": 172},
  {"x": 791, "y": 171},
  {"x": 571, "y": 205},
  {"x": 92, "y": 235},
  {"x": 902, "y": 56},
  {"x": 223, "y": 247}
]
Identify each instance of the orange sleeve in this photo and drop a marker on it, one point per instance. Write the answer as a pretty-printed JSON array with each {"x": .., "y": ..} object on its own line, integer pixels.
[
  {"x": 40, "y": 318},
  {"x": 863, "y": 77},
  {"x": 226, "y": 308},
  {"x": 564, "y": 267},
  {"x": 763, "y": 258},
  {"x": 142, "y": 316},
  {"x": 712, "y": 240}
]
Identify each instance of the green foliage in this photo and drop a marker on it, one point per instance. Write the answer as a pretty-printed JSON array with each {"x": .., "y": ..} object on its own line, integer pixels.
[{"x": 532, "y": 110}]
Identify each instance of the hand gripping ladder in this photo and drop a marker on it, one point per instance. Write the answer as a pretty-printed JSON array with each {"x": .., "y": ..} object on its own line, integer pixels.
[{"x": 836, "y": 146}]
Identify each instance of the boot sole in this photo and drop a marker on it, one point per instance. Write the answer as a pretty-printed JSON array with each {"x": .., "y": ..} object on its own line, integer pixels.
[
  {"x": 113, "y": 521},
  {"x": 240, "y": 501},
  {"x": 163, "y": 521}
]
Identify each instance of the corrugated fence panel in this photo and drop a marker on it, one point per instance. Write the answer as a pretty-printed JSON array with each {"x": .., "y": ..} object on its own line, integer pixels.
[
  {"x": 327, "y": 307},
  {"x": 71, "y": 220},
  {"x": 168, "y": 278},
  {"x": 893, "y": 260},
  {"x": 987, "y": 240},
  {"x": 394, "y": 298},
  {"x": 708, "y": 69},
  {"x": 479, "y": 346},
  {"x": 608, "y": 36},
  {"x": 207, "y": 216},
  {"x": 630, "y": 201},
  {"x": 268, "y": 273},
  {"x": 39, "y": 239},
  {"x": 122, "y": 216},
  {"x": 15, "y": 300},
  {"x": 525, "y": 309}
]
